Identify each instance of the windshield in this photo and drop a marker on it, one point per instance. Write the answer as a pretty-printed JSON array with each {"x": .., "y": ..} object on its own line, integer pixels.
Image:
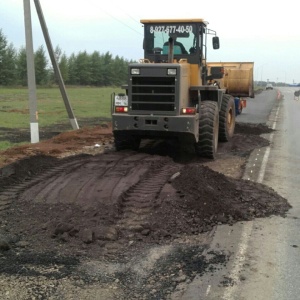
[{"x": 157, "y": 37}]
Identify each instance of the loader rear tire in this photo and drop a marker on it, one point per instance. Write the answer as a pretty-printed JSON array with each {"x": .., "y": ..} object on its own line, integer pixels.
[
  {"x": 227, "y": 118},
  {"x": 207, "y": 145}
]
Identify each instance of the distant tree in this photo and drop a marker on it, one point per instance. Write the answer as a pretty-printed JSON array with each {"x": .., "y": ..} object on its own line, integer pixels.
[
  {"x": 58, "y": 53},
  {"x": 62, "y": 62},
  {"x": 96, "y": 69},
  {"x": 41, "y": 63},
  {"x": 21, "y": 63},
  {"x": 78, "y": 69},
  {"x": 7, "y": 61},
  {"x": 3, "y": 45},
  {"x": 63, "y": 66},
  {"x": 83, "y": 68},
  {"x": 72, "y": 71},
  {"x": 10, "y": 68},
  {"x": 107, "y": 68},
  {"x": 119, "y": 70}
]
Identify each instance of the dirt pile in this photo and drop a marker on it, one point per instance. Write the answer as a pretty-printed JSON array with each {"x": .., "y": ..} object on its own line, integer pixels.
[
  {"x": 208, "y": 198},
  {"x": 192, "y": 203},
  {"x": 90, "y": 140},
  {"x": 115, "y": 199}
]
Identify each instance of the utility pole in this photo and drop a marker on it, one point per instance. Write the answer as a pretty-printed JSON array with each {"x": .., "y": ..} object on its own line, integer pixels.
[
  {"x": 55, "y": 65},
  {"x": 34, "y": 125}
]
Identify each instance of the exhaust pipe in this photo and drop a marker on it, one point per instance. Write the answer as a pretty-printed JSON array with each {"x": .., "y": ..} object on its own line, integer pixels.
[{"x": 171, "y": 50}]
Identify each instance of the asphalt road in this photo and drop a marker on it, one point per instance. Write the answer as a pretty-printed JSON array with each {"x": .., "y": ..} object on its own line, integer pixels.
[
  {"x": 264, "y": 254},
  {"x": 258, "y": 108}
]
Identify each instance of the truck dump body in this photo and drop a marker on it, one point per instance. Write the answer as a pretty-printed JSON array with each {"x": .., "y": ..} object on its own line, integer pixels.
[{"x": 237, "y": 77}]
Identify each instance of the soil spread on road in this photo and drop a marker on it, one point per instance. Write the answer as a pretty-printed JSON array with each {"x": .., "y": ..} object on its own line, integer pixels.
[
  {"x": 78, "y": 219},
  {"x": 67, "y": 197}
]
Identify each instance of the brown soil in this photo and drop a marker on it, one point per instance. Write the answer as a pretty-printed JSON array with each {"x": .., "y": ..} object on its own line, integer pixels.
[
  {"x": 130, "y": 196},
  {"x": 74, "y": 196}
]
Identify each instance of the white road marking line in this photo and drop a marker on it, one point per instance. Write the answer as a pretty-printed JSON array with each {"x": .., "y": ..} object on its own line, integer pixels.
[
  {"x": 247, "y": 229},
  {"x": 263, "y": 166},
  {"x": 267, "y": 153},
  {"x": 239, "y": 260},
  {"x": 208, "y": 290}
]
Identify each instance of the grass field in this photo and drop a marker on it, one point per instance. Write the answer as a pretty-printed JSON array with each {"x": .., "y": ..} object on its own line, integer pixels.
[{"x": 86, "y": 102}]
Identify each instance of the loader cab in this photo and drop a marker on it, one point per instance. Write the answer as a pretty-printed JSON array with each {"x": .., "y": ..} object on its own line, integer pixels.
[{"x": 187, "y": 39}]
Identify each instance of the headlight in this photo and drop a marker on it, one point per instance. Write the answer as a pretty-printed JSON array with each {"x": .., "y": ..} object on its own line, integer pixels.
[
  {"x": 135, "y": 71},
  {"x": 172, "y": 71}
]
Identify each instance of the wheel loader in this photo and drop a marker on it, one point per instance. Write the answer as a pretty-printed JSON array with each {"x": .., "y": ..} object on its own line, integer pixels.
[{"x": 172, "y": 93}]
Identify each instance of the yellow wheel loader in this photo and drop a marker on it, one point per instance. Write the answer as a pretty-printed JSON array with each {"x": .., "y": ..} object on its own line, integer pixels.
[{"x": 172, "y": 92}]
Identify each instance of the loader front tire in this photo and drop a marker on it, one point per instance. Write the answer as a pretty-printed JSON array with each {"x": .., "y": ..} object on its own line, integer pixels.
[
  {"x": 227, "y": 118},
  {"x": 207, "y": 145}
]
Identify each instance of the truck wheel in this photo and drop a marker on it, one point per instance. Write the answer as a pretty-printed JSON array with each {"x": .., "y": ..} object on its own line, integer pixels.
[
  {"x": 208, "y": 130},
  {"x": 227, "y": 118},
  {"x": 123, "y": 141}
]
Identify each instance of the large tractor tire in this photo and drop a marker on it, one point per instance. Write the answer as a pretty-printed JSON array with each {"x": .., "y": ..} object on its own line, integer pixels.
[
  {"x": 226, "y": 118},
  {"x": 124, "y": 141},
  {"x": 207, "y": 145}
]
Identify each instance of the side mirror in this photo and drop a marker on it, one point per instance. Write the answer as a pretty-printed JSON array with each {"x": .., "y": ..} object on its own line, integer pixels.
[{"x": 216, "y": 42}]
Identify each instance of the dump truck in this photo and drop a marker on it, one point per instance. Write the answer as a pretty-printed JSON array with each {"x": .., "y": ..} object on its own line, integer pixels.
[
  {"x": 170, "y": 92},
  {"x": 236, "y": 78}
]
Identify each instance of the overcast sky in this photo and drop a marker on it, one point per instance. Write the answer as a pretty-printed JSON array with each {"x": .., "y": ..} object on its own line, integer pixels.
[{"x": 262, "y": 32}]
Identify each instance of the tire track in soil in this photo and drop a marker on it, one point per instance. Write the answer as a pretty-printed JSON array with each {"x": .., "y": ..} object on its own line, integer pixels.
[
  {"x": 142, "y": 198},
  {"x": 10, "y": 192},
  {"x": 83, "y": 180},
  {"x": 116, "y": 190},
  {"x": 60, "y": 176}
]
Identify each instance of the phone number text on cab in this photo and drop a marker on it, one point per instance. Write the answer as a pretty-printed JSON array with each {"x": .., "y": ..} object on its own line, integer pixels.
[{"x": 172, "y": 29}]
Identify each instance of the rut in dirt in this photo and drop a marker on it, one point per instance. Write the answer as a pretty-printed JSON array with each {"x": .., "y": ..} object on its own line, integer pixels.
[{"x": 142, "y": 198}]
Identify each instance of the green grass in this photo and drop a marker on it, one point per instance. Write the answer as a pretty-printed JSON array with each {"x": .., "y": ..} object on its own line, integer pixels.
[
  {"x": 86, "y": 102},
  {"x": 6, "y": 145}
]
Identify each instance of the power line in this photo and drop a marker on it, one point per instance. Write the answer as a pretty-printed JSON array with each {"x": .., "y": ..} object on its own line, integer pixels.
[{"x": 123, "y": 22}]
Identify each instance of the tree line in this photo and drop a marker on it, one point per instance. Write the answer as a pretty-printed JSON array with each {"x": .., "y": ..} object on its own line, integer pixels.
[{"x": 83, "y": 68}]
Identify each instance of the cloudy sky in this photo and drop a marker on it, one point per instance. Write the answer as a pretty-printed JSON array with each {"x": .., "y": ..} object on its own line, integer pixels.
[{"x": 262, "y": 32}]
